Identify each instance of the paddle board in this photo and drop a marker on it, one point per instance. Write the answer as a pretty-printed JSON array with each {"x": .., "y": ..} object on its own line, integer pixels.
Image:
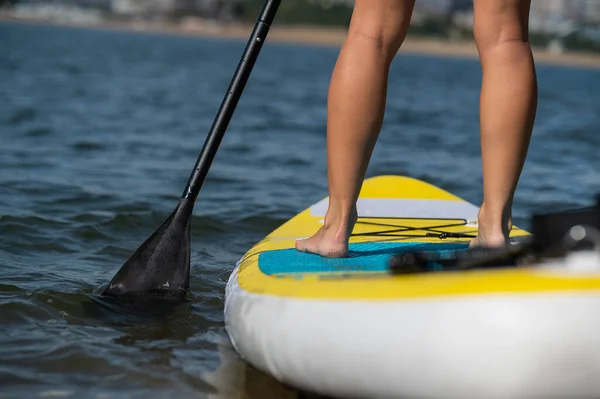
[{"x": 347, "y": 327}]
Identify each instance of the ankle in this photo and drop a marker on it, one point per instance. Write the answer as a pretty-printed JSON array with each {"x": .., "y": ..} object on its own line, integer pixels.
[
  {"x": 340, "y": 213},
  {"x": 340, "y": 220},
  {"x": 495, "y": 221}
]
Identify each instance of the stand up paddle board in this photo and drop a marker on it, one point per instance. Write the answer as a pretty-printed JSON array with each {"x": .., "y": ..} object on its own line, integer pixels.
[{"x": 348, "y": 327}]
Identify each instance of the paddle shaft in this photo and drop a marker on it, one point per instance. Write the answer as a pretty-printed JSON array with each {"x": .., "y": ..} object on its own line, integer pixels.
[{"x": 234, "y": 92}]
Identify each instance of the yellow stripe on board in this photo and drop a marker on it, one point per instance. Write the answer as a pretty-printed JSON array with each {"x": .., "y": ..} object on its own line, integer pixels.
[
  {"x": 378, "y": 286},
  {"x": 402, "y": 187}
]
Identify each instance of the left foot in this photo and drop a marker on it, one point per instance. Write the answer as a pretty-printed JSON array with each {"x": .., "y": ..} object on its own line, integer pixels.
[
  {"x": 491, "y": 234},
  {"x": 331, "y": 240}
]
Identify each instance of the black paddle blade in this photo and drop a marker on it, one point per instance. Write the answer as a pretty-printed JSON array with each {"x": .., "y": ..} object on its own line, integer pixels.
[{"x": 161, "y": 265}]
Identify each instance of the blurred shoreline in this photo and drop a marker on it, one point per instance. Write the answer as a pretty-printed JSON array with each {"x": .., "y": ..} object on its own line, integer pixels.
[{"x": 310, "y": 35}]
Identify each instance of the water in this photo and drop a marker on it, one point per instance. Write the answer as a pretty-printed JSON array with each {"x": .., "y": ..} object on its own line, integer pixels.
[{"x": 99, "y": 132}]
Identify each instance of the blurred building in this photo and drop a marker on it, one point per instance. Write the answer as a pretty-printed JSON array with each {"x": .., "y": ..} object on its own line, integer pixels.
[
  {"x": 557, "y": 17},
  {"x": 543, "y": 12},
  {"x": 141, "y": 8},
  {"x": 590, "y": 11},
  {"x": 577, "y": 11},
  {"x": 64, "y": 12}
]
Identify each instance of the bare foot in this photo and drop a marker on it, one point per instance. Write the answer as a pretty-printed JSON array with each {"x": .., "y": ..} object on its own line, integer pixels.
[
  {"x": 487, "y": 242},
  {"x": 491, "y": 233},
  {"x": 331, "y": 240}
]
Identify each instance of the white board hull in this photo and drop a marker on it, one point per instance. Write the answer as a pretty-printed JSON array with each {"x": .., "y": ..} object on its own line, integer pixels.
[{"x": 535, "y": 345}]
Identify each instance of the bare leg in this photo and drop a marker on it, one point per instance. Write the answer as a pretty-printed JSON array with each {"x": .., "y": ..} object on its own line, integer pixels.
[
  {"x": 356, "y": 104},
  {"x": 507, "y": 109}
]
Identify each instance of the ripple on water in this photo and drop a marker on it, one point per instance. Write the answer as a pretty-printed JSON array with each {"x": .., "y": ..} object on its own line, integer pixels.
[{"x": 99, "y": 142}]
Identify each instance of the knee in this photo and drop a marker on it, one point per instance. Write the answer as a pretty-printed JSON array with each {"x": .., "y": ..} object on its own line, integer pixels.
[
  {"x": 490, "y": 37},
  {"x": 382, "y": 23},
  {"x": 497, "y": 27}
]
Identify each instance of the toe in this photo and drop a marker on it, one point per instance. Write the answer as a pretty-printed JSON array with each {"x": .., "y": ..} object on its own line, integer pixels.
[{"x": 301, "y": 245}]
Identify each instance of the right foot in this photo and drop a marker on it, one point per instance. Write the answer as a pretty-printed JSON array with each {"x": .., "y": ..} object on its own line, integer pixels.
[
  {"x": 485, "y": 241},
  {"x": 490, "y": 232}
]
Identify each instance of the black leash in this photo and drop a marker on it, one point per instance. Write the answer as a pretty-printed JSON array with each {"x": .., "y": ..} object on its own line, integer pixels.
[{"x": 553, "y": 236}]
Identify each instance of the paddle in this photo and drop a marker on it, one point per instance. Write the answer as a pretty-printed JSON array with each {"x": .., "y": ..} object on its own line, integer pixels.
[{"x": 161, "y": 265}]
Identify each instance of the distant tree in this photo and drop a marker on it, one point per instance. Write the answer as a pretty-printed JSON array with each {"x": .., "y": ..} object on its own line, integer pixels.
[
  {"x": 577, "y": 41},
  {"x": 296, "y": 12},
  {"x": 461, "y": 5}
]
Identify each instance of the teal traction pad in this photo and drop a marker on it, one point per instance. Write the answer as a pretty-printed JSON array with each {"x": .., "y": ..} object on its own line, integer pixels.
[{"x": 362, "y": 257}]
